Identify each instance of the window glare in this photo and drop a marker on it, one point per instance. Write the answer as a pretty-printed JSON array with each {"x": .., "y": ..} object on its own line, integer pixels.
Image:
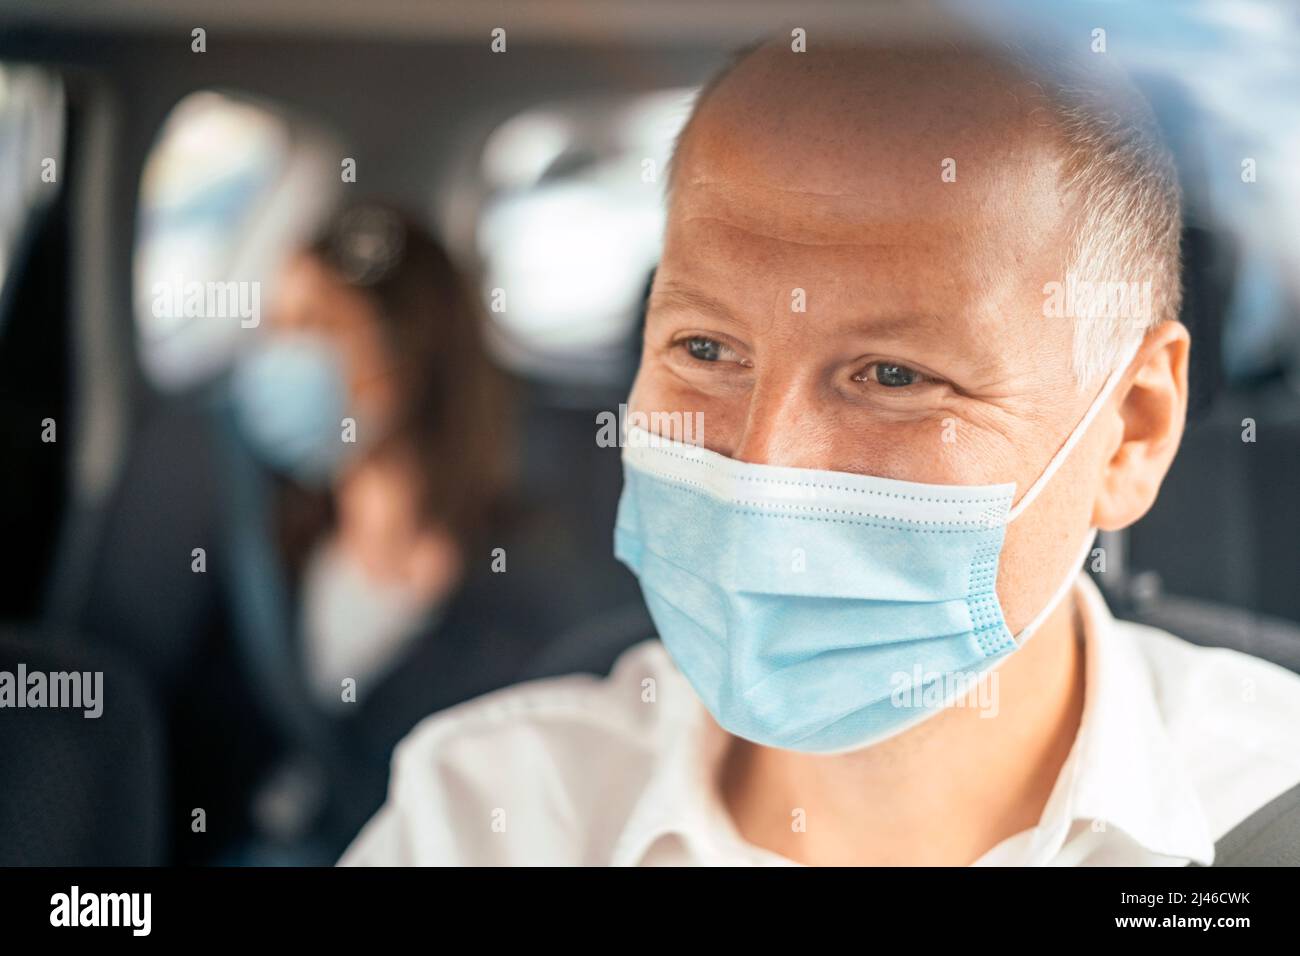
[
  {"x": 572, "y": 226},
  {"x": 31, "y": 148},
  {"x": 214, "y": 163}
]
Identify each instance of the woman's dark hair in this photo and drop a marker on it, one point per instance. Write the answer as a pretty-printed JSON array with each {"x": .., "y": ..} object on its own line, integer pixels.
[{"x": 454, "y": 409}]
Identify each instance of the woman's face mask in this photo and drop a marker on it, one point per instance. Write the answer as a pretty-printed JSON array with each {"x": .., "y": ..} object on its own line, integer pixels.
[
  {"x": 291, "y": 402},
  {"x": 319, "y": 388}
]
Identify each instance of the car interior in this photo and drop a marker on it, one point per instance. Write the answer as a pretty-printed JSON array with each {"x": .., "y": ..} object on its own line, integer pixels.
[{"x": 167, "y": 159}]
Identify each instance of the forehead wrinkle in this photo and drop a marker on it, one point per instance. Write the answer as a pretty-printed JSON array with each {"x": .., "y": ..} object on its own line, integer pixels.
[
  {"x": 816, "y": 217},
  {"x": 827, "y": 243},
  {"x": 702, "y": 180},
  {"x": 790, "y": 134}
]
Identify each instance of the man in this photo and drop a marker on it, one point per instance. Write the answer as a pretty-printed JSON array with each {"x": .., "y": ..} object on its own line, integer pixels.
[{"x": 912, "y": 430}]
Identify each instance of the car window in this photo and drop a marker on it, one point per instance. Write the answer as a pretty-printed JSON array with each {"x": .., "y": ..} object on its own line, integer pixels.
[
  {"x": 571, "y": 228},
  {"x": 31, "y": 153},
  {"x": 229, "y": 185}
]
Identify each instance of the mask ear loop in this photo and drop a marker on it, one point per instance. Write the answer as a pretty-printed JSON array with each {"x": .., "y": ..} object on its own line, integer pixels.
[
  {"x": 1062, "y": 590},
  {"x": 1080, "y": 430}
]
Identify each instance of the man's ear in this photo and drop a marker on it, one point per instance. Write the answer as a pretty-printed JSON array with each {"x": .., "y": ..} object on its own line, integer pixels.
[{"x": 1153, "y": 409}]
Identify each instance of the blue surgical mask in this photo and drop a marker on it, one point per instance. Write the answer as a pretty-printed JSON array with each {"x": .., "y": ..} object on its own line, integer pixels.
[
  {"x": 290, "y": 398},
  {"x": 803, "y": 606}
]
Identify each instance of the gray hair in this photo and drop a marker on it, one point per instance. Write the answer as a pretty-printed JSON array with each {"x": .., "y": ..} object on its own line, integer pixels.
[{"x": 1129, "y": 227}]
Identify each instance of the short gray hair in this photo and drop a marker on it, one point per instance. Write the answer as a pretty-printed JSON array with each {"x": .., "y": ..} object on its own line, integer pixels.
[{"x": 1129, "y": 227}]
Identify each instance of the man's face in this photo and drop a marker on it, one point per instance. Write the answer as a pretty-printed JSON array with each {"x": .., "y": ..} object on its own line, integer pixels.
[{"x": 827, "y": 300}]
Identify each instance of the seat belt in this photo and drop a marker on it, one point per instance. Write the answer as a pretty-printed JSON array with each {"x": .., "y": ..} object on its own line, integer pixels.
[{"x": 1268, "y": 837}]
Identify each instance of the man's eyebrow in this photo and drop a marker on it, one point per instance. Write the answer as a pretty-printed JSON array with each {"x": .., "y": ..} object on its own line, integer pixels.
[
  {"x": 672, "y": 294},
  {"x": 900, "y": 325},
  {"x": 893, "y": 326}
]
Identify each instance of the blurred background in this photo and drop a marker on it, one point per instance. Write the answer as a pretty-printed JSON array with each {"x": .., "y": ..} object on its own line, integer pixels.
[{"x": 130, "y": 159}]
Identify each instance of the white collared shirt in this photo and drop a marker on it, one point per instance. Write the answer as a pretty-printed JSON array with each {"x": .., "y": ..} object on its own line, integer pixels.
[{"x": 1177, "y": 744}]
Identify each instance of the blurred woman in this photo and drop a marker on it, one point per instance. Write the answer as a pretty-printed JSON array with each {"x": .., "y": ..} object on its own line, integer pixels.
[
  {"x": 374, "y": 406},
  {"x": 376, "y": 402}
]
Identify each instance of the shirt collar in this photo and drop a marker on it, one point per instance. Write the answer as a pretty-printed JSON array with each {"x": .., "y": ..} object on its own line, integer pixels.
[
  {"x": 1122, "y": 770},
  {"x": 681, "y": 799}
]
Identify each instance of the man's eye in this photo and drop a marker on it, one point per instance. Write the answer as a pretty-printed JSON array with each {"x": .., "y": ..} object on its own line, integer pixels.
[
  {"x": 890, "y": 375},
  {"x": 705, "y": 349}
]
